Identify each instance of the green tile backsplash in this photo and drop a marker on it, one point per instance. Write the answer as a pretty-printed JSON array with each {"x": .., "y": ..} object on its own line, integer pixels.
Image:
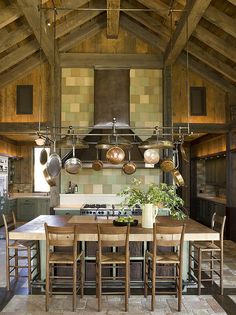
[{"x": 78, "y": 109}]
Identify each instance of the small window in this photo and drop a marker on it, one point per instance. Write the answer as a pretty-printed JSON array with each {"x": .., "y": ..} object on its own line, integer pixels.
[
  {"x": 198, "y": 101},
  {"x": 40, "y": 184},
  {"x": 24, "y": 99}
]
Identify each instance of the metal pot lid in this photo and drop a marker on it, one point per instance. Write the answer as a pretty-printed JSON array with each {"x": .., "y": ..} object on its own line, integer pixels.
[
  {"x": 154, "y": 143},
  {"x": 115, "y": 155},
  {"x": 151, "y": 156},
  {"x": 68, "y": 142}
]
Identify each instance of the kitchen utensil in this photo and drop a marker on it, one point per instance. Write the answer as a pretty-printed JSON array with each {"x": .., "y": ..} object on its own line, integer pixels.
[
  {"x": 50, "y": 180},
  {"x": 167, "y": 165},
  {"x": 43, "y": 156},
  {"x": 178, "y": 178},
  {"x": 115, "y": 155},
  {"x": 129, "y": 168},
  {"x": 151, "y": 156},
  {"x": 54, "y": 163},
  {"x": 97, "y": 164},
  {"x": 73, "y": 165},
  {"x": 183, "y": 153}
]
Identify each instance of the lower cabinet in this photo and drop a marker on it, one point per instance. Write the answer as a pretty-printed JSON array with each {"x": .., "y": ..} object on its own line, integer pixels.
[
  {"x": 206, "y": 209},
  {"x": 30, "y": 208}
]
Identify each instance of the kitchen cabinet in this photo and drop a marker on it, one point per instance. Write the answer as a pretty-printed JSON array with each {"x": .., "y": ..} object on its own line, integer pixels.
[
  {"x": 30, "y": 208},
  {"x": 215, "y": 171},
  {"x": 206, "y": 209}
]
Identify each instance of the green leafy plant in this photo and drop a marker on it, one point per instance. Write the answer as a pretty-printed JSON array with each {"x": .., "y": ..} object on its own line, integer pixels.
[{"x": 162, "y": 195}]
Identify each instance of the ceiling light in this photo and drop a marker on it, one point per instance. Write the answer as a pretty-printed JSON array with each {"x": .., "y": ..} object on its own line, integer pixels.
[{"x": 40, "y": 141}]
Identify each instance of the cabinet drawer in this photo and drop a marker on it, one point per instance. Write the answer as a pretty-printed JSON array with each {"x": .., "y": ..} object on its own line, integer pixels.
[{"x": 67, "y": 212}]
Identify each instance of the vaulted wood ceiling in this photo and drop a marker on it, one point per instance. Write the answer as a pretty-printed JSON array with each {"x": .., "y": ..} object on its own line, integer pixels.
[{"x": 206, "y": 29}]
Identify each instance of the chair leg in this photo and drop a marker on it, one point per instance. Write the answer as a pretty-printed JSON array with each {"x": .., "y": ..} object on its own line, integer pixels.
[
  {"x": 146, "y": 278},
  {"x": 29, "y": 269},
  {"x": 38, "y": 259},
  {"x": 16, "y": 264},
  {"x": 74, "y": 284},
  {"x": 153, "y": 285},
  {"x": 7, "y": 268},
  {"x": 221, "y": 272},
  {"x": 99, "y": 292},
  {"x": 199, "y": 271},
  {"x": 211, "y": 266},
  {"x": 180, "y": 288},
  {"x": 82, "y": 276},
  {"x": 126, "y": 286},
  {"x": 190, "y": 261},
  {"x": 47, "y": 286}
]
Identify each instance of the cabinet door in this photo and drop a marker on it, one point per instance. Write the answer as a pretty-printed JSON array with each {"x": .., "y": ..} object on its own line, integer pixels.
[
  {"x": 43, "y": 206},
  {"x": 26, "y": 209}
]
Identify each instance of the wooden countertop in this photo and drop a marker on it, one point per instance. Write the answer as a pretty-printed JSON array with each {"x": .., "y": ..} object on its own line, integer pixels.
[{"x": 34, "y": 230}]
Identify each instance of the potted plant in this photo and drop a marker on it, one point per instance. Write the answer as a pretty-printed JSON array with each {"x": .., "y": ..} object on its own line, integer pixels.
[{"x": 152, "y": 197}]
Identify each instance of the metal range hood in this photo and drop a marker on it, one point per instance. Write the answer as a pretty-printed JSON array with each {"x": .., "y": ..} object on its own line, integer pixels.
[{"x": 111, "y": 99}]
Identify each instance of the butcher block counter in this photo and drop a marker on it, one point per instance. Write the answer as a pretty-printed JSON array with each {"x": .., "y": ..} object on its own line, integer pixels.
[
  {"x": 87, "y": 234},
  {"x": 87, "y": 228}
]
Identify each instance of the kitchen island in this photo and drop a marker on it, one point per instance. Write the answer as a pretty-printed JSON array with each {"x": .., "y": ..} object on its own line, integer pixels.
[{"x": 87, "y": 234}]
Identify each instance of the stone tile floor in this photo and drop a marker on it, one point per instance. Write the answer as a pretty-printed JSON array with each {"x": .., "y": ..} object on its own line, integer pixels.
[{"x": 210, "y": 302}]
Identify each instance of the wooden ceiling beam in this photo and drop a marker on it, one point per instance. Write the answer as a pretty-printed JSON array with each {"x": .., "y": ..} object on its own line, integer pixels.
[
  {"x": 208, "y": 73},
  {"x": 70, "y": 4},
  {"x": 9, "y": 15},
  {"x": 157, "y": 6},
  {"x": 18, "y": 55},
  {"x": 91, "y": 60},
  {"x": 147, "y": 20},
  {"x": 79, "y": 19},
  {"x": 14, "y": 37},
  {"x": 185, "y": 27},
  {"x": 142, "y": 33},
  {"x": 212, "y": 61},
  {"x": 221, "y": 20},
  {"x": 43, "y": 33},
  {"x": 20, "y": 70},
  {"x": 215, "y": 42},
  {"x": 113, "y": 18},
  {"x": 86, "y": 31},
  {"x": 233, "y": 2}
]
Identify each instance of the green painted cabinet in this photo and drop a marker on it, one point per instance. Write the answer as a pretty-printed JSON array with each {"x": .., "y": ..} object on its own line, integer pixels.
[{"x": 30, "y": 208}]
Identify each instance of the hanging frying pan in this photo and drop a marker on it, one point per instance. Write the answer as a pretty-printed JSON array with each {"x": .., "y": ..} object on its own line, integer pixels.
[
  {"x": 97, "y": 164},
  {"x": 73, "y": 165},
  {"x": 178, "y": 178},
  {"x": 54, "y": 163},
  {"x": 43, "y": 156},
  {"x": 50, "y": 180},
  {"x": 167, "y": 165},
  {"x": 129, "y": 168},
  {"x": 183, "y": 153},
  {"x": 115, "y": 155}
]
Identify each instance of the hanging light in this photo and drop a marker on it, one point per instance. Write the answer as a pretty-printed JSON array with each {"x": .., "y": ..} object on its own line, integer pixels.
[{"x": 40, "y": 140}]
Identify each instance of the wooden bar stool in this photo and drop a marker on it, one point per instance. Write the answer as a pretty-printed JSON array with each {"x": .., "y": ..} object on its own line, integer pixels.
[
  {"x": 165, "y": 236},
  {"x": 17, "y": 250},
  {"x": 110, "y": 236},
  {"x": 62, "y": 237},
  {"x": 200, "y": 252}
]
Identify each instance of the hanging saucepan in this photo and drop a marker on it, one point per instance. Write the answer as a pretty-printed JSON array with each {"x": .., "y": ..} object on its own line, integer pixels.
[
  {"x": 178, "y": 178},
  {"x": 43, "y": 156},
  {"x": 129, "y": 167},
  {"x": 54, "y": 163},
  {"x": 167, "y": 165},
  {"x": 115, "y": 155},
  {"x": 50, "y": 180},
  {"x": 183, "y": 153},
  {"x": 97, "y": 164},
  {"x": 73, "y": 165},
  {"x": 151, "y": 156}
]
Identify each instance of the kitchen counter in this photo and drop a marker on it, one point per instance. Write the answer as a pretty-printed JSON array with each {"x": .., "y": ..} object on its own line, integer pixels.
[
  {"x": 221, "y": 200},
  {"x": 28, "y": 195},
  {"x": 87, "y": 227},
  {"x": 69, "y": 207}
]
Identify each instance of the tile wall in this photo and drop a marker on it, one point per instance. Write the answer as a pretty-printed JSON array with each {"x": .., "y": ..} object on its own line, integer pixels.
[{"x": 78, "y": 109}]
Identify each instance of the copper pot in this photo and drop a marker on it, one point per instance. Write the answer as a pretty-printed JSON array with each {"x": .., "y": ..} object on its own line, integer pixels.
[
  {"x": 115, "y": 155},
  {"x": 129, "y": 167},
  {"x": 97, "y": 164},
  {"x": 167, "y": 165},
  {"x": 178, "y": 178}
]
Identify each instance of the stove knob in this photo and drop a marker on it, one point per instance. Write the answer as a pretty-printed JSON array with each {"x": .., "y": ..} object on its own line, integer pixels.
[
  {"x": 99, "y": 212},
  {"x": 102, "y": 212},
  {"x": 90, "y": 212},
  {"x": 94, "y": 212}
]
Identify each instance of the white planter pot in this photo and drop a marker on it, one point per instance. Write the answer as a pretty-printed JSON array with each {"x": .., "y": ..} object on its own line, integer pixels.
[{"x": 149, "y": 213}]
